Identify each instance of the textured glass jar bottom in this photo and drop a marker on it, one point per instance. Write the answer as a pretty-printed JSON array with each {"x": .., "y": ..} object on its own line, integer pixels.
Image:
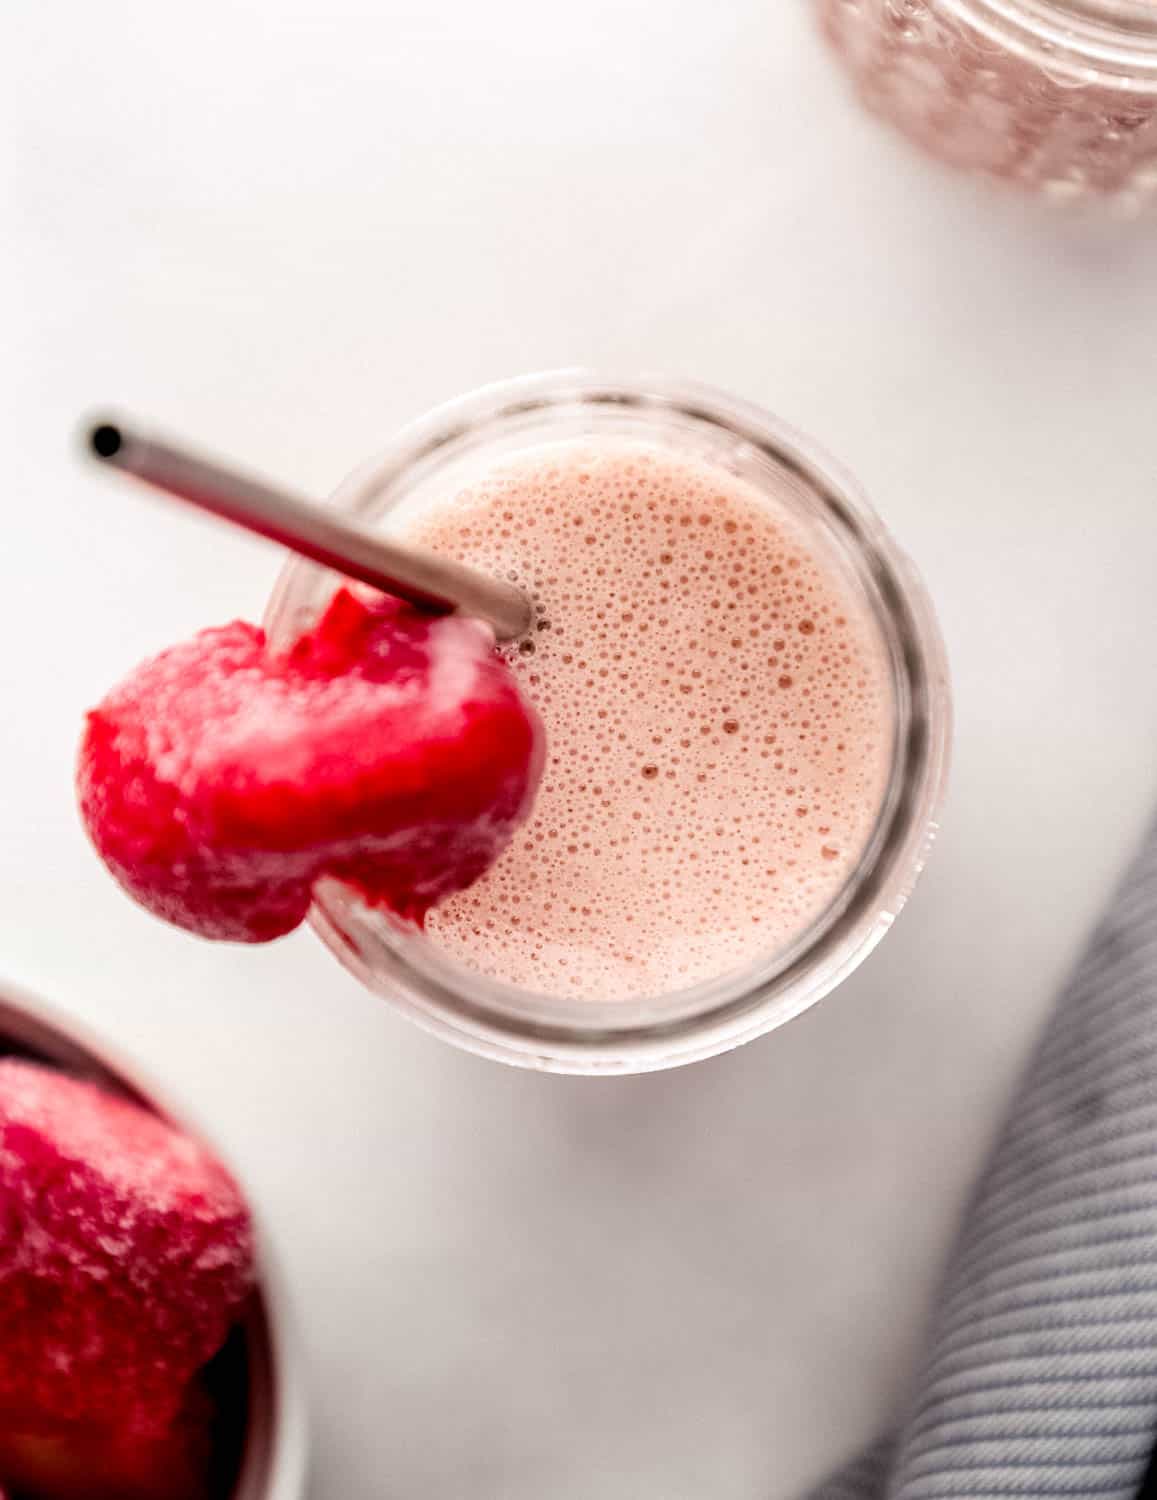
[{"x": 1065, "y": 110}]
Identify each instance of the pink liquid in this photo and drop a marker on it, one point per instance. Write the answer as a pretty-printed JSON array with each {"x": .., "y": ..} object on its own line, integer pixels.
[{"x": 719, "y": 716}]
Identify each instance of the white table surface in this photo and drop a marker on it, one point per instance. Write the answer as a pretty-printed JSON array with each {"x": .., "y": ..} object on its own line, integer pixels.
[{"x": 289, "y": 227}]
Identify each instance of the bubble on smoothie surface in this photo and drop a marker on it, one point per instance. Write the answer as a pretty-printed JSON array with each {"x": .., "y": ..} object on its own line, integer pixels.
[{"x": 718, "y": 715}]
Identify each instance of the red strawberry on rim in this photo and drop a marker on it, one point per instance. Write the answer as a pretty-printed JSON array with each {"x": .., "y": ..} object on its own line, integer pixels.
[{"x": 388, "y": 749}]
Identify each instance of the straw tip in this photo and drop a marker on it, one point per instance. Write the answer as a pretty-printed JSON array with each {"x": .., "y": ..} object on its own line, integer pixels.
[{"x": 105, "y": 439}]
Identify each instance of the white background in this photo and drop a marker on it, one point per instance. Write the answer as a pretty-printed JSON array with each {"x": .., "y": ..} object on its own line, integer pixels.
[{"x": 286, "y": 228}]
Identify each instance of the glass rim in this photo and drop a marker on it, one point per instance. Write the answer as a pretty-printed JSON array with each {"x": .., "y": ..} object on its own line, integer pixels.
[
  {"x": 1113, "y": 42},
  {"x": 523, "y": 1026}
]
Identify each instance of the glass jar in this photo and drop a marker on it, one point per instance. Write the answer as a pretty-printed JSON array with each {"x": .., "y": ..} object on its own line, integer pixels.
[
  {"x": 433, "y": 459},
  {"x": 260, "y": 1437},
  {"x": 1058, "y": 96}
]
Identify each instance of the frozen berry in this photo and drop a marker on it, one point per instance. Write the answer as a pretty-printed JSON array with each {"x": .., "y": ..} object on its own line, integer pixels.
[
  {"x": 125, "y": 1252},
  {"x": 106, "y": 1463},
  {"x": 388, "y": 749}
]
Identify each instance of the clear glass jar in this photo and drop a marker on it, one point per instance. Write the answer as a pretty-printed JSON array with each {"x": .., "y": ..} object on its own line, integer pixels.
[
  {"x": 1058, "y": 96},
  {"x": 433, "y": 459}
]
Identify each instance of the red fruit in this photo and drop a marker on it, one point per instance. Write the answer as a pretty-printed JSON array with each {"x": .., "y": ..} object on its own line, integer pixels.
[
  {"x": 97, "y": 1463},
  {"x": 388, "y": 749},
  {"x": 125, "y": 1252}
]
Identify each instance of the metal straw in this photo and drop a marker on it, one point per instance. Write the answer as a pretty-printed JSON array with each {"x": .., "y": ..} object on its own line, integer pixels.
[{"x": 420, "y": 577}]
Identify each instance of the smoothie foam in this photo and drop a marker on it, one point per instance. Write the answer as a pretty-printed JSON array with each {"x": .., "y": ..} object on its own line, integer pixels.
[{"x": 718, "y": 710}]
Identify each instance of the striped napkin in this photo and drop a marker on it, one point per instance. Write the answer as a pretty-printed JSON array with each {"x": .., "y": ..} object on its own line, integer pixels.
[{"x": 1040, "y": 1377}]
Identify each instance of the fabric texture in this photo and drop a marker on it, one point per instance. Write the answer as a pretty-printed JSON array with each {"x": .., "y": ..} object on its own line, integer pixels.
[{"x": 1041, "y": 1372}]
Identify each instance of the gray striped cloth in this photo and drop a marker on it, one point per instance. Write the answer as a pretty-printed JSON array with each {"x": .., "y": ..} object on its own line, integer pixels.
[{"x": 1041, "y": 1372}]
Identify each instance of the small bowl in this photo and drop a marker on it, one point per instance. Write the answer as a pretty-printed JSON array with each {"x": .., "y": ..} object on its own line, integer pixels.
[{"x": 260, "y": 1447}]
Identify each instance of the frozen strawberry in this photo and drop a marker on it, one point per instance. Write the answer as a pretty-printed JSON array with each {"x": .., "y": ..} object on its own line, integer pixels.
[
  {"x": 388, "y": 749},
  {"x": 106, "y": 1463},
  {"x": 125, "y": 1252}
]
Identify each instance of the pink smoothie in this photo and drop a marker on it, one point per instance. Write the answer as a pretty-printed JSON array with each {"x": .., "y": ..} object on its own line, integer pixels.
[{"x": 719, "y": 715}]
